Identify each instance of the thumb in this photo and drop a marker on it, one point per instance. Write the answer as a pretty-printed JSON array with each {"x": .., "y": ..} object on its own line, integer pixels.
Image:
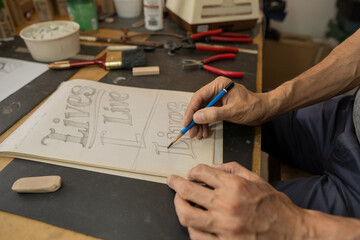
[{"x": 209, "y": 115}]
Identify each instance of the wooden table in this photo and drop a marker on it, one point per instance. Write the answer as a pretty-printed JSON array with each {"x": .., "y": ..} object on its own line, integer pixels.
[{"x": 17, "y": 227}]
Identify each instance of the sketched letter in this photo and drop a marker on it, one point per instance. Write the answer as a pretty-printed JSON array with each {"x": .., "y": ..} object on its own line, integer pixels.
[{"x": 66, "y": 137}]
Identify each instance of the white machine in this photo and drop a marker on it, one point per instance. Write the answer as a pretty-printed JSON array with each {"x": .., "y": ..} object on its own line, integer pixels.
[{"x": 203, "y": 15}]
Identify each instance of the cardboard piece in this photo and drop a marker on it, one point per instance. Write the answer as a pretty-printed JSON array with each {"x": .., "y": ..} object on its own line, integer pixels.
[{"x": 288, "y": 57}]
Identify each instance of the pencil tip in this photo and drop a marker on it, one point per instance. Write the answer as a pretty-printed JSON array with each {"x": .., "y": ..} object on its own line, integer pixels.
[{"x": 170, "y": 144}]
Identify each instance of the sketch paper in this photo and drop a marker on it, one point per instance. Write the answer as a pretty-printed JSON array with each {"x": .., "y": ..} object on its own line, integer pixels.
[
  {"x": 112, "y": 129},
  {"x": 14, "y": 74}
]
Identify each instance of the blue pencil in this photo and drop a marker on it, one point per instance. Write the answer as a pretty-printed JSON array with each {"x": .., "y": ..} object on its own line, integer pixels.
[{"x": 217, "y": 98}]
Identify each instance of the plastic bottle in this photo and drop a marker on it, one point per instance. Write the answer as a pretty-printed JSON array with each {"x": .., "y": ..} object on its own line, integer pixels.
[
  {"x": 84, "y": 13},
  {"x": 153, "y": 14}
]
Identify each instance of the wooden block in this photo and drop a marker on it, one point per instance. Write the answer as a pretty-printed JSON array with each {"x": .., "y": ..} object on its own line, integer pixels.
[
  {"x": 41, "y": 184},
  {"x": 142, "y": 71}
]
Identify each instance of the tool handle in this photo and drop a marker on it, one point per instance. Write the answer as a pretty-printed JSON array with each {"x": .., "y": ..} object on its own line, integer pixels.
[
  {"x": 223, "y": 72},
  {"x": 200, "y": 47},
  {"x": 219, "y": 57},
  {"x": 230, "y": 39},
  {"x": 212, "y": 103},
  {"x": 205, "y": 34},
  {"x": 82, "y": 63},
  {"x": 234, "y": 35}
]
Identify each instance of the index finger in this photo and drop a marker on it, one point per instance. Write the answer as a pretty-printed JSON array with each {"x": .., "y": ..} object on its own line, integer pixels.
[
  {"x": 208, "y": 175},
  {"x": 203, "y": 96}
]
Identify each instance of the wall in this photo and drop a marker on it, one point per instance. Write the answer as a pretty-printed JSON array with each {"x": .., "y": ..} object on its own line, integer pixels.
[{"x": 307, "y": 17}]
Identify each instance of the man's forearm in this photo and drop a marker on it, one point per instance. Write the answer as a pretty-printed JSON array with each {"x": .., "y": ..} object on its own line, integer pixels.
[
  {"x": 336, "y": 74},
  {"x": 325, "y": 226}
]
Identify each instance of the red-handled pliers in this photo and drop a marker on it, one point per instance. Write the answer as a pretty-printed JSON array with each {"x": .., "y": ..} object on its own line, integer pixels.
[
  {"x": 208, "y": 36},
  {"x": 196, "y": 64},
  {"x": 218, "y": 36}
]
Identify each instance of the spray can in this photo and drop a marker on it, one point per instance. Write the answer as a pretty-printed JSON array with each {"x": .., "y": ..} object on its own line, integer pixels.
[
  {"x": 153, "y": 14},
  {"x": 84, "y": 13}
]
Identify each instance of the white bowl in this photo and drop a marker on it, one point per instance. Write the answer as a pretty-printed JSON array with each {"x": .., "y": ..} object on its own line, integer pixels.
[{"x": 52, "y": 44}]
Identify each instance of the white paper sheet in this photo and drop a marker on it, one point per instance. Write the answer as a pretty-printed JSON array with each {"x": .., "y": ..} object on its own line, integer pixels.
[
  {"x": 14, "y": 74},
  {"x": 109, "y": 128}
]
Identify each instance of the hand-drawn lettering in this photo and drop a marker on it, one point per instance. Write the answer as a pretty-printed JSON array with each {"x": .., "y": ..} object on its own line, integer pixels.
[
  {"x": 81, "y": 96},
  {"x": 78, "y": 113},
  {"x": 182, "y": 148},
  {"x": 120, "y": 107},
  {"x": 66, "y": 137},
  {"x": 77, "y": 124},
  {"x": 138, "y": 142}
]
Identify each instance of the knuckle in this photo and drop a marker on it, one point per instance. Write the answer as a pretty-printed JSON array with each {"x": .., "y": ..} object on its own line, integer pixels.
[
  {"x": 184, "y": 190},
  {"x": 237, "y": 183},
  {"x": 222, "y": 79},
  {"x": 184, "y": 219},
  {"x": 234, "y": 164},
  {"x": 198, "y": 170}
]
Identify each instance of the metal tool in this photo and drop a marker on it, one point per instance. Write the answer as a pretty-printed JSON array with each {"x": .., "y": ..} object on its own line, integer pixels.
[
  {"x": 208, "y": 36},
  {"x": 196, "y": 64}
]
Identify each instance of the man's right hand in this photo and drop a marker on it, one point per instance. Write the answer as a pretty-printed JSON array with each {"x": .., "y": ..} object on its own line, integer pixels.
[{"x": 239, "y": 105}]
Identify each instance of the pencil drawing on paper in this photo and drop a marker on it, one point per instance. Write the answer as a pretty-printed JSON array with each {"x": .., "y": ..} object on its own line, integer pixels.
[
  {"x": 89, "y": 111},
  {"x": 103, "y": 126},
  {"x": 176, "y": 117}
]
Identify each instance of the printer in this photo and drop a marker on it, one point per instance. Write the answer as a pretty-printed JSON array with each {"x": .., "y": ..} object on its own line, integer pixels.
[{"x": 203, "y": 15}]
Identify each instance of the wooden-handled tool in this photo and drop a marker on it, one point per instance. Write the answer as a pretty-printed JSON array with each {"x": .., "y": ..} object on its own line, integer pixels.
[{"x": 110, "y": 60}]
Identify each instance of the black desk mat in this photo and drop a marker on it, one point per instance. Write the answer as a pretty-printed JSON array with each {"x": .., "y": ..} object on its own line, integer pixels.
[
  {"x": 96, "y": 204},
  {"x": 113, "y": 207},
  {"x": 18, "y": 104}
]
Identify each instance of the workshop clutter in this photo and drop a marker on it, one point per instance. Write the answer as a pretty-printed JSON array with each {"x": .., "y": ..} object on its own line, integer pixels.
[
  {"x": 128, "y": 8},
  {"x": 199, "y": 16},
  {"x": 7, "y": 29},
  {"x": 347, "y": 20},
  {"x": 84, "y": 12},
  {"x": 52, "y": 41},
  {"x": 22, "y": 11}
]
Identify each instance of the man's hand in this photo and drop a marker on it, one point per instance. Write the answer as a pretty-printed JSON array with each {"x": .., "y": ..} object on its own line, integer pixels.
[
  {"x": 239, "y": 105},
  {"x": 238, "y": 205}
]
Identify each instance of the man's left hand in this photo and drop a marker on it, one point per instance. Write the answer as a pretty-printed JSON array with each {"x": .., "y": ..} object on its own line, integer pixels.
[{"x": 234, "y": 204}]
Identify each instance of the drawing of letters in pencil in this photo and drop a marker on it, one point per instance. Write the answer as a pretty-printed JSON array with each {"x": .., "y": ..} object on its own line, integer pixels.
[
  {"x": 103, "y": 126},
  {"x": 97, "y": 116}
]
